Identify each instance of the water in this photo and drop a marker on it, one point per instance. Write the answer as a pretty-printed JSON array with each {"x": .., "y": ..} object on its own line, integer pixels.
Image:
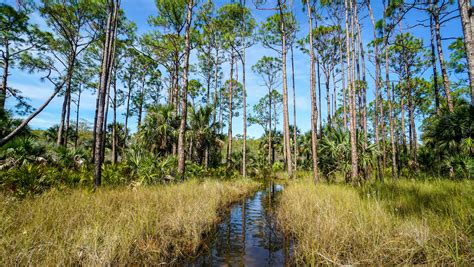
[{"x": 248, "y": 235}]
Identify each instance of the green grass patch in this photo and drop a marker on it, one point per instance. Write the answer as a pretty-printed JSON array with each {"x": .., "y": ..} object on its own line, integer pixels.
[
  {"x": 123, "y": 225},
  {"x": 399, "y": 222}
]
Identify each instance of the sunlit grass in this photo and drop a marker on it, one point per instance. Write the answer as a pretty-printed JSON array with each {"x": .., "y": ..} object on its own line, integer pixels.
[
  {"x": 400, "y": 222},
  {"x": 113, "y": 225}
]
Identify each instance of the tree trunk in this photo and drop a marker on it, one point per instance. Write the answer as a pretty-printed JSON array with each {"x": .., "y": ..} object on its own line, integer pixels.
[
  {"x": 244, "y": 149},
  {"x": 377, "y": 88},
  {"x": 270, "y": 140},
  {"x": 106, "y": 116},
  {"x": 230, "y": 115},
  {"x": 141, "y": 103},
  {"x": 107, "y": 63},
  {"x": 66, "y": 109},
  {"x": 363, "y": 91},
  {"x": 127, "y": 112},
  {"x": 114, "y": 122},
  {"x": 411, "y": 114},
  {"x": 328, "y": 96},
  {"x": 184, "y": 97},
  {"x": 433, "y": 64},
  {"x": 444, "y": 72},
  {"x": 216, "y": 89},
  {"x": 390, "y": 113},
  {"x": 209, "y": 76},
  {"x": 319, "y": 99},
  {"x": 344, "y": 101},
  {"x": 295, "y": 132},
  {"x": 334, "y": 96},
  {"x": 6, "y": 66},
  {"x": 77, "y": 116},
  {"x": 314, "y": 111},
  {"x": 465, "y": 9},
  {"x": 352, "y": 95},
  {"x": 402, "y": 123},
  {"x": 286, "y": 128}
]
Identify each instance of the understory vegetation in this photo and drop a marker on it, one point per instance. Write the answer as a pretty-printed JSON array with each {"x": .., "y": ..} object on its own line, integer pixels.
[
  {"x": 406, "y": 221},
  {"x": 122, "y": 137},
  {"x": 124, "y": 225}
]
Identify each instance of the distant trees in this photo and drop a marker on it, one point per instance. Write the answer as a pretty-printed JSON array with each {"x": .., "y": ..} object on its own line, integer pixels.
[{"x": 182, "y": 84}]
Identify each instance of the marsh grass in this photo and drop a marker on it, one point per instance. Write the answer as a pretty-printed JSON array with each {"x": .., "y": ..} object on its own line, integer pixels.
[
  {"x": 400, "y": 222},
  {"x": 122, "y": 225}
]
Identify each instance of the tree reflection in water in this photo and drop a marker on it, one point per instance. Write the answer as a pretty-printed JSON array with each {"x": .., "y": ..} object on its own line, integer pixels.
[{"x": 248, "y": 235}]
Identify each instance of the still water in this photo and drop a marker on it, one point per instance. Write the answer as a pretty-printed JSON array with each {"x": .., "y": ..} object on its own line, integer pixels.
[{"x": 248, "y": 235}]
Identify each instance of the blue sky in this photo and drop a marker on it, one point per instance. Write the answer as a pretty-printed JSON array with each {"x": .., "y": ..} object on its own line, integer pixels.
[{"x": 140, "y": 10}]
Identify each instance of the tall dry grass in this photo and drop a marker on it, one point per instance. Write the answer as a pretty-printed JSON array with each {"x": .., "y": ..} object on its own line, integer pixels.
[
  {"x": 402, "y": 222},
  {"x": 122, "y": 225}
]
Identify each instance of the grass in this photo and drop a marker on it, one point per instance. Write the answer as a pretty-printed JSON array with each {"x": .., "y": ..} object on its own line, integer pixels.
[
  {"x": 399, "y": 222},
  {"x": 122, "y": 225}
]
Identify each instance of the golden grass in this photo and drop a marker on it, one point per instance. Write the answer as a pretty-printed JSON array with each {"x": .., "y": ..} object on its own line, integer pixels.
[
  {"x": 113, "y": 225},
  {"x": 403, "y": 222}
]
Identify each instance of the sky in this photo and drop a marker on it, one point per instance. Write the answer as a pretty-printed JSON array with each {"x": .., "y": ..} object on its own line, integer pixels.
[{"x": 139, "y": 11}]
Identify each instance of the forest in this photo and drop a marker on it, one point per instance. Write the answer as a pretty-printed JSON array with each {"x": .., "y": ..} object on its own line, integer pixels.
[{"x": 238, "y": 132}]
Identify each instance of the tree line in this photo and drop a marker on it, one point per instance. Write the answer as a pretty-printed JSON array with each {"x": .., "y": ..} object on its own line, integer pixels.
[{"x": 182, "y": 108}]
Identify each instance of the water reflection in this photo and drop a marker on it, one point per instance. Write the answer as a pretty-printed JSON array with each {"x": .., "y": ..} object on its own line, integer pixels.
[{"x": 248, "y": 235}]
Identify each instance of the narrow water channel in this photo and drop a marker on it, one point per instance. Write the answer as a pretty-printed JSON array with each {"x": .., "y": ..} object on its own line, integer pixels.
[{"x": 248, "y": 235}]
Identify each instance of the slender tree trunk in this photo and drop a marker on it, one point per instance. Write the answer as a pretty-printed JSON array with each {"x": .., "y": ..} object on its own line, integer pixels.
[
  {"x": 295, "y": 129},
  {"x": 221, "y": 122},
  {"x": 107, "y": 63},
  {"x": 286, "y": 126},
  {"x": 344, "y": 93},
  {"x": 127, "y": 112},
  {"x": 176, "y": 87},
  {"x": 411, "y": 114},
  {"x": 6, "y": 66},
  {"x": 231, "y": 111},
  {"x": 68, "y": 119},
  {"x": 334, "y": 106},
  {"x": 106, "y": 117},
  {"x": 274, "y": 128},
  {"x": 270, "y": 140},
  {"x": 328, "y": 96},
  {"x": 244, "y": 149},
  {"x": 319, "y": 98},
  {"x": 444, "y": 72},
  {"x": 209, "y": 77},
  {"x": 77, "y": 116},
  {"x": 467, "y": 20},
  {"x": 184, "y": 98},
  {"x": 377, "y": 88},
  {"x": 383, "y": 135},
  {"x": 363, "y": 90},
  {"x": 216, "y": 89},
  {"x": 60, "y": 136},
  {"x": 66, "y": 110},
  {"x": 314, "y": 111},
  {"x": 141, "y": 103},
  {"x": 433, "y": 64},
  {"x": 114, "y": 121},
  {"x": 390, "y": 113},
  {"x": 352, "y": 93},
  {"x": 97, "y": 101},
  {"x": 402, "y": 123}
]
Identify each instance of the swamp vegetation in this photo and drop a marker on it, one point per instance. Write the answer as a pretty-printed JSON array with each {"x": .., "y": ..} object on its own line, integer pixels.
[{"x": 158, "y": 135}]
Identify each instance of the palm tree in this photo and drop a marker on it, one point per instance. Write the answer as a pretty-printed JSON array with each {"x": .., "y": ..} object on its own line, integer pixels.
[
  {"x": 159, "y": 129},
  {"x": 202, "y": 133}
]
